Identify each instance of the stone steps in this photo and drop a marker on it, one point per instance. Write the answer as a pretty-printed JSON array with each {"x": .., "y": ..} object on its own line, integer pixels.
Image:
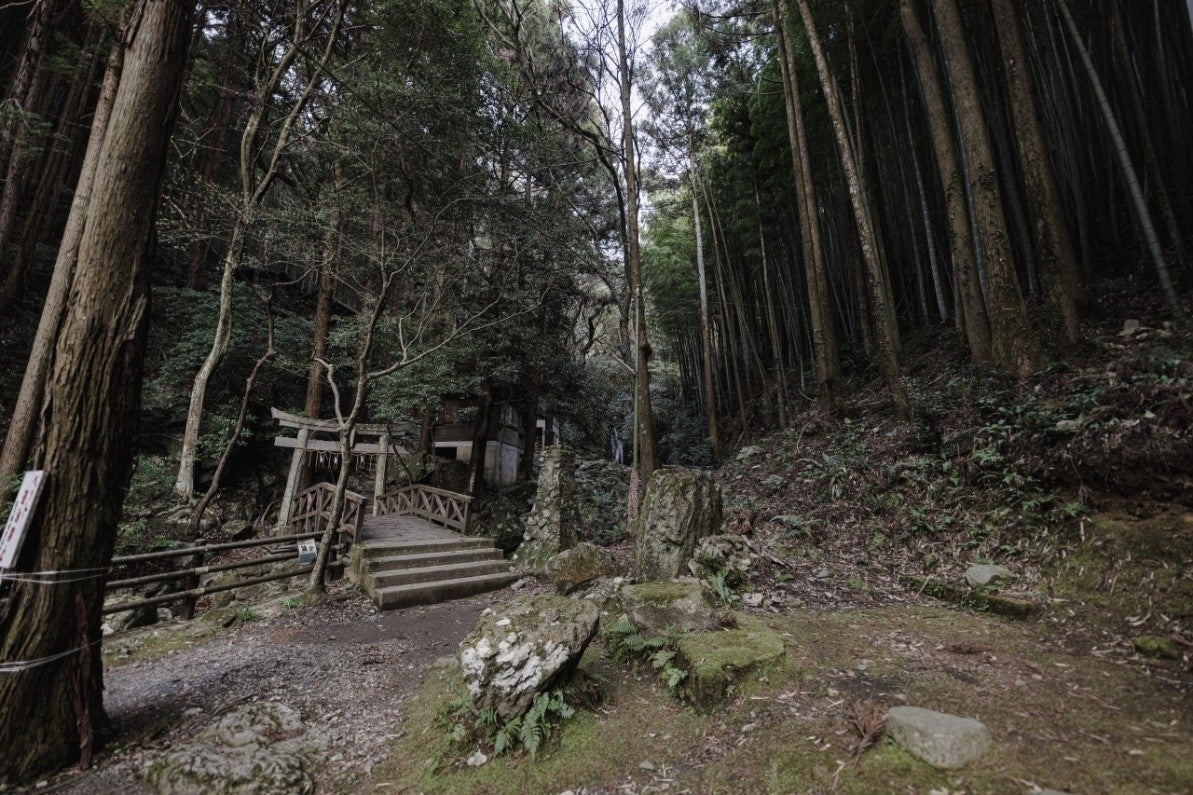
[
  {"x": 427, "y": 567},
  {"x": 430, "y": 593},
  {"x": 392, "y": 577}
]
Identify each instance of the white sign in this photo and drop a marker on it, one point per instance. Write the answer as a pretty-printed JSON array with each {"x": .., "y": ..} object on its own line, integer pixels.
[
  {"x": 307, "y": 551},
  {"x": 18, "y": 520}
]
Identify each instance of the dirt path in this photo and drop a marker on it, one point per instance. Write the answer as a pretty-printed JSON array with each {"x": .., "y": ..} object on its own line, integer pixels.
[{"x": 344, "y": 665}]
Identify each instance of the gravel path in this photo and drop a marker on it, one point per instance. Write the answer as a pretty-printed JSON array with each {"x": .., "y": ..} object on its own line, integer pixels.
[{"x": 344, "y": 665}]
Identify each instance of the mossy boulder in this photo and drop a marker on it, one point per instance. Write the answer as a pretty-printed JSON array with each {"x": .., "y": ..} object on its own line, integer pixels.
[
  {"x": 725, "y": 555},
  {"x": 716, "y": 660},
  {"x": 657, "y": 607},
  {"x": 681, "y": 506},
  {"x": 524, "y": 648},
  {"x": 501, "y": 515},
  {"x": 260, "y": 748},
  {"x": 580, "y": 565},
  {"x": 553, "y": 520}
]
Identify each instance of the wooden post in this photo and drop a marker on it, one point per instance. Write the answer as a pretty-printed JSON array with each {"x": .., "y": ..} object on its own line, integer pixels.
[
  {"x": 379, "y": 475},
  {"x": 191, "y": 581},
  {"x": 292, "y": 478}
]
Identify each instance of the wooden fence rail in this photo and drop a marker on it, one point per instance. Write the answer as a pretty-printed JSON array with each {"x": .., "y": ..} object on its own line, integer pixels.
[
  {"x": 446, "y": 508},
  {"x": 309, "y": 517}
]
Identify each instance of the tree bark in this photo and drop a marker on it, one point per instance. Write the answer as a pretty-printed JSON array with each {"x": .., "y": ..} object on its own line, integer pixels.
[
  {"x": 1143, "y": 215},
  {"x": 1150, "y": 158},
  {"x": 710, "y": 397},
  {"x": 51, "y": 713},
  {"x": 887, "y": 334},
  {"x": 1050, "y": 232},
  {"x": 647, "y": 456},
  {"x": 24, "y": 420},
  {"x": 965, "y": 267},
  {"x": 824, "y": 333},
  {"x": 1014, "y": 346},
  {"x": 480, "y": 443},
  {"x": 325, "y": 290}
]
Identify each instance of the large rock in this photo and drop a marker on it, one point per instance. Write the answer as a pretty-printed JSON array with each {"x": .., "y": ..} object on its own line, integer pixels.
[
  {"x": 579, "y": 565},
  {"x": 524, "y": 648},
  {"x": 681, "y": 506},
  {"x": 553, "y": 520},
  {"x": 261, "y": 748},
  {"x": 944, "y": 741},
  {"x": 715, "y": 661},
  {"x": 657, "y": 607},
  {"x": 237, "y": 530},
  {"x": 726, "y": 555}
]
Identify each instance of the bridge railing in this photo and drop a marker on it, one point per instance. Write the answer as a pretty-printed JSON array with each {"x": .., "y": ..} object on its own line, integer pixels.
[
  {"x": 440, "y": 506},
  {"x": 310, "y": 511}
]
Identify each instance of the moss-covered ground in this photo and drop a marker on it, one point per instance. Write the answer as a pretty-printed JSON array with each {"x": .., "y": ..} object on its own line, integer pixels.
[{"x": 1076, "y": 723}]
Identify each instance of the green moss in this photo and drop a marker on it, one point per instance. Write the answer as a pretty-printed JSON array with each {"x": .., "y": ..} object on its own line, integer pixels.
[
  {"x": 661, "y": 592},
  {"x": 1126, "y": 567},
  {"x": 1042, "y": 726},
  {"x": 1156, "y": 647},
  {"x": 973, "y": 598},
  {"x": 715, "y": 660},
  {"x": 593, "y": 749}
]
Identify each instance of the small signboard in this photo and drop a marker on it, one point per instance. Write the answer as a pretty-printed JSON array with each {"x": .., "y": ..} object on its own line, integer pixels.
[
  {"x": 307, "y": 551},
  {"x": 18, "y": 520}
]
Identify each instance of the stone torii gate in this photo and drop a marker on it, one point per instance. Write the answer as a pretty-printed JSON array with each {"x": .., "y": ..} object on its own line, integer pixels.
[{"x": 305, "y": 442}]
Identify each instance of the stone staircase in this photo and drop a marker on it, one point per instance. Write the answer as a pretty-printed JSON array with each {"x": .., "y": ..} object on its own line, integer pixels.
[{"x": 428, "y": 569}]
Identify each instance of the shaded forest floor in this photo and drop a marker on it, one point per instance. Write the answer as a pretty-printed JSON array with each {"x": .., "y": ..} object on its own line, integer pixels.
[{"x": 1080, "y": 482}]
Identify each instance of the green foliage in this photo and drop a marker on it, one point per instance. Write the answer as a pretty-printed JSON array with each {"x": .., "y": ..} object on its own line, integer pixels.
[
  {"x": 627, "y": 642},
  {"x": 244, "y": 615},
  {"x": 723, "y": 591},
  {"x": 528, "y": 731}
]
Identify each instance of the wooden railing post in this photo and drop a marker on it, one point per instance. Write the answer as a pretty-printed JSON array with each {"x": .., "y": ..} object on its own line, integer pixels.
[{"x": 191, "y": 581}]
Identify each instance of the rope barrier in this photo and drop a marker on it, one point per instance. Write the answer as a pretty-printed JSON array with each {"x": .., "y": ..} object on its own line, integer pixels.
[
  {"x": 26, "y": 665},
  {"x": 53, "y": 577}
]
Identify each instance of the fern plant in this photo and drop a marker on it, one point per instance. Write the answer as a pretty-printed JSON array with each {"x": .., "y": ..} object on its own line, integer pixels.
[
  {"x": 531, "y": 730},
  {"x": 627, "y": 641}
]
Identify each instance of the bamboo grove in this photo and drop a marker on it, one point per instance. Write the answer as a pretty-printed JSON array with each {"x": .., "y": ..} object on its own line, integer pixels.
[{"x": 839, "y": 177}]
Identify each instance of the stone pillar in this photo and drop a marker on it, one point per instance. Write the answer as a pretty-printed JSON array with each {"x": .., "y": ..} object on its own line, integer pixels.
[
  {"x": 292, "y": 479},
  {"x": 379, "y": 475},
  {"x": 554, "y": 519},
  {"x": 680, "y": 507}
]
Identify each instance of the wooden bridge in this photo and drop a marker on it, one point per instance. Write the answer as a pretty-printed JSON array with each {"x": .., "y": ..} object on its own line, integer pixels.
[{"x": 412, "y": 550}]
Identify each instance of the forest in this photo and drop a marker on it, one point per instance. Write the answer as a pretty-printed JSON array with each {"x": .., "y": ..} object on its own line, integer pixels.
[{"x": 904, "y": 282}]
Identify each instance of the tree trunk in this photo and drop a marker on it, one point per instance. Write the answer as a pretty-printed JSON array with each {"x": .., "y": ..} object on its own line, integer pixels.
[
  {"x": 60, "y": 155},
  {"x": 887, "y": 334},
  {"x": 824, "y": 333},
  {"x": 1143, "y": 215},
  {"x": 213, "y": 155},
  {"x": 526, "y": 462},
  {"x": 710, "y": 398},
  {"x": 325, "y": 291},
  {"x": 480, "y": 444},
  {"x": 1151, "y": 160},
  {"x": 24, "y": 420},
  {"x": 647, "y": 457},
  {"x": 252, "y": 192},
  {"x": 965, "y": 267},
  {"x": 772, "y": 323},
  {"x": 1050, "y": 232},
  {"x": 1014, "y": 346},
  {"x": 53, "y": 710}
]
